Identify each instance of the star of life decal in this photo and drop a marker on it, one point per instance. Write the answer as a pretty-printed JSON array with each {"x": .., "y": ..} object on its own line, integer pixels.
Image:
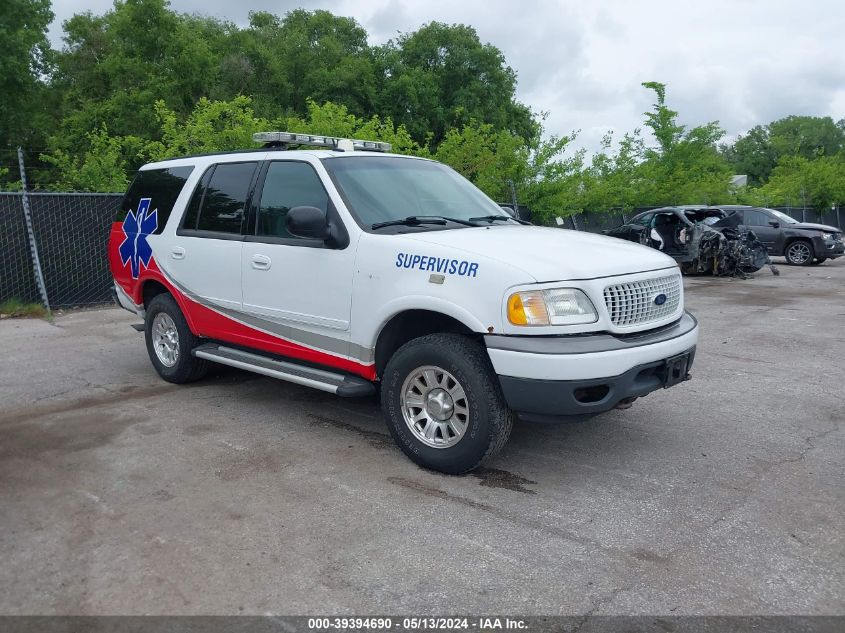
[{"x": 137, "y": 227}]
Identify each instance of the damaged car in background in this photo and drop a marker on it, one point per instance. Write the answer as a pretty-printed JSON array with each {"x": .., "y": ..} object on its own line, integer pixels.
[{"x": 700, "y": 239}]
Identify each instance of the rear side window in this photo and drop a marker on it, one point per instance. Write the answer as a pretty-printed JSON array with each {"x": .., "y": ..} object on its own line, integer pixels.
[
  {"x": 161, "y": 186},
  {"x": 755, "y": 218},
  {"x": 219, "y": 201}
]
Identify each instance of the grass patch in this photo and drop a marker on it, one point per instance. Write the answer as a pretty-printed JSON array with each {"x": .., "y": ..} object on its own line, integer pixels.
[{"x": 17, "y": 308}]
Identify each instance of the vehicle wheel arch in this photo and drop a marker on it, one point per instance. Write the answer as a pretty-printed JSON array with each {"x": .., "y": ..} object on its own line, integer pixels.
[
  {"x": 151, "y": 287},
  {"x": 409, "y": 324}
]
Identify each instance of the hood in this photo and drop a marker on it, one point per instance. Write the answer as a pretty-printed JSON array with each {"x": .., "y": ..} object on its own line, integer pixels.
[
  {"x": 809, "y": 226},
  {"x": 550, "y": 254}
]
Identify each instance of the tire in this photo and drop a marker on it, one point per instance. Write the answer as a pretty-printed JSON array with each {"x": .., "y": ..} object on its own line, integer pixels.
[
  {"x": 435, "y": 370},
  {"x": 170, "y": 340},
  {"x": 819, "y": 260},
  {"x": 799, "y": 253}
]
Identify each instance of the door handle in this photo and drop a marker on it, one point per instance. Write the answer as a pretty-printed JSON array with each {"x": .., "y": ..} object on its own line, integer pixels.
[
  {"x": 178, "y": 253},
  {"x": 261, "y": 262}
]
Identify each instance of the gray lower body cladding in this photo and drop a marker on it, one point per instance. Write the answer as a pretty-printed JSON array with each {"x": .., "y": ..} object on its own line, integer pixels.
[{"x": 557, "y": 400}]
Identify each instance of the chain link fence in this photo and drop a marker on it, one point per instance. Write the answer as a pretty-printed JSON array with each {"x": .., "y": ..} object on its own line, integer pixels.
[
  {"x": 70, "y": 232},
  {"x": 598, "y": 221},
  {"x": 831, "y": 217}
]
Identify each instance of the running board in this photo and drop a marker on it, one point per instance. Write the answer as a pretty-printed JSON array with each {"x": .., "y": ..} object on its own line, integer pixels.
[{"x": 340, "y": 384}]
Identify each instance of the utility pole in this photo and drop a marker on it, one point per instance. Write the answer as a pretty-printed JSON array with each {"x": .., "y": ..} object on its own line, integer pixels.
[{"x": 804, "y": 210}]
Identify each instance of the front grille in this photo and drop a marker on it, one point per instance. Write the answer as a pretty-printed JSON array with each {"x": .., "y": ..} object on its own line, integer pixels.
[{"x": 632, "y": 303}]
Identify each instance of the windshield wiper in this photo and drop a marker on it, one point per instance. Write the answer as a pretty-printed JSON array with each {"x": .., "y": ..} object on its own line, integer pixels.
[
  {"x": 416, "y": 220},
  {"x": 494, "y": 218}
]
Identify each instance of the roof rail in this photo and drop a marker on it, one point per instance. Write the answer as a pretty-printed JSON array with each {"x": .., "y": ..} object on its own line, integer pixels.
[{"x": 285, "y": 139}]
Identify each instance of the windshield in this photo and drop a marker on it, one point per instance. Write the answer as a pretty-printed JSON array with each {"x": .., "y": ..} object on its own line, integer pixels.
[
  {"x": 383, "y": 188},
  {"x": 783, "y": 217}
]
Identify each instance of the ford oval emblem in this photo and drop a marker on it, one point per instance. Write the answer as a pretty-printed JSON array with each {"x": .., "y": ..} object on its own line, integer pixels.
[{"x": 660, "y": 299}]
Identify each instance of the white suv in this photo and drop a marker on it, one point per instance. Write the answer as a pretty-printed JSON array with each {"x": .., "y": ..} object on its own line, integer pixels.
[{"x": 350, "y": 271}]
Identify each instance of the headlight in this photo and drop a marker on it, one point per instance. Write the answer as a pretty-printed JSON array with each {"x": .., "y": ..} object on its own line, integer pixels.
[
  {"x": 827, "y": 236},
  {"x": 554, "y": 306}
]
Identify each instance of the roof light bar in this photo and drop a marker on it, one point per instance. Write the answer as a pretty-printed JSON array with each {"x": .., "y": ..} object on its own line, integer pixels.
[{"x": 333, "y": 142}]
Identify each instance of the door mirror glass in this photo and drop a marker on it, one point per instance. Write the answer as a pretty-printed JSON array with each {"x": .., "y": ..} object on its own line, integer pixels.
[
  {"x": 774, "y": 223},
  {"x": 308, "y": 222}
]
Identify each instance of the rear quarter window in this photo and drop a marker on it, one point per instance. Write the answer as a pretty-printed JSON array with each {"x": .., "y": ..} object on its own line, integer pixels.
[{"x": 161, "y": 186}]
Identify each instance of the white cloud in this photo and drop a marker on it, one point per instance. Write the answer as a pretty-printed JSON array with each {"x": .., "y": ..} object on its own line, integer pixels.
[{"x": 741, "y": 62}]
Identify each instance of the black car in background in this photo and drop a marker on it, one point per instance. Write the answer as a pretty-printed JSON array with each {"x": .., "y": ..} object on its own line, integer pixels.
[{"x": 802, "y": 243}]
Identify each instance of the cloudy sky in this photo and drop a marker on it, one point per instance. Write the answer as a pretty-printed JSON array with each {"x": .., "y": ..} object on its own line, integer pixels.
[{"x": 741, "y": 62}]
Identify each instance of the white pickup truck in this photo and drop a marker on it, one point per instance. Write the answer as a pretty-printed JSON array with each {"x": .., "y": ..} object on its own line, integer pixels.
[{"x": 348, "y": 269}]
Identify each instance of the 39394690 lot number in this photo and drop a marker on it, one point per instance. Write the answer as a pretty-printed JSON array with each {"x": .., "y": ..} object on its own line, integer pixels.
[{"x": 382, "y": 624}]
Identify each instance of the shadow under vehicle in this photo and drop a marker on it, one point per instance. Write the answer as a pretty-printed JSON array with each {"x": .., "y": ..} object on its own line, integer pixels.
[{"x": 700, "y": 239}]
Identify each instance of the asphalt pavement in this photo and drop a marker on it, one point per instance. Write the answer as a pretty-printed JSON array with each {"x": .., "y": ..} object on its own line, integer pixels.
[{"x": 121, "y": 494}]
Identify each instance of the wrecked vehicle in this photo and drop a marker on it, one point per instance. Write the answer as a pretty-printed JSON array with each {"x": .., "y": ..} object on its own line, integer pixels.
[
  {"x": 700, "y": 239},
  {"x": 801, "y": 243}
]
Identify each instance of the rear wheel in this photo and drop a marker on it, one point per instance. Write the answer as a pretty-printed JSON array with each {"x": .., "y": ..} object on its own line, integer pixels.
[
  {"x": 443, "y": 404},
  {"x": 799, "y": 253},
  {"x": 170, "y": 342}
]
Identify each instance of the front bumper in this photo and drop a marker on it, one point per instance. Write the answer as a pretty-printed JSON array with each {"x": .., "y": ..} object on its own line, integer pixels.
[
  {"x": 543, "y": 377},
  {"x": 830, "y": 249}
]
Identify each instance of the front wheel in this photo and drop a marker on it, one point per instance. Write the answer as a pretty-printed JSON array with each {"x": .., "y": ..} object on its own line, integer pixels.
[
  {"x": 799, "y": 253},
  {"x": 443, "y": 404},
  {"x": 819, "y": 260}
]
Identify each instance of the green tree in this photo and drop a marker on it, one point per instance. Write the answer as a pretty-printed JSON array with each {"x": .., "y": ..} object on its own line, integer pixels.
[
  {"x": 752, "y": 155},
  {"x": 796, "y": 181},
  {"x": 213, "y": 126},
  {"x": 104, "y": 167},
  {"x": 686, "y": 166},
  {"x": 326, "y": 58},
  {"x": 662, "y": 121},
  {"x": 115, "y": 67},
  {"x": 487, "y": 157},
  {"x": 332, "y": 119},
  {"x": 441, "y": 77},
  {"x": 24, "y": 58},
  {"x": 758, "y": 152},
  {"x": 614, "y": 180},
  {"x": 282, "y": 62}
]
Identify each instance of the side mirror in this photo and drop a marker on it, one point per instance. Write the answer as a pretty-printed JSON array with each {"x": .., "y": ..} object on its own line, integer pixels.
[
  {"x": 308, "y": 222},
  {"x": 774, "y": 223},
  {"x": 509, "y": 211}
]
